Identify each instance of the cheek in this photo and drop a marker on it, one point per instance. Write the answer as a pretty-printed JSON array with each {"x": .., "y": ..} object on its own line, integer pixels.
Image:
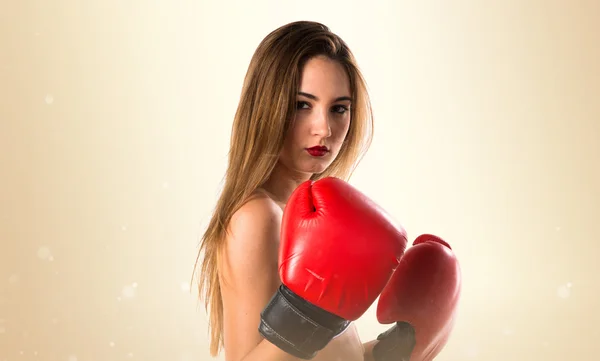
[
  {"x": 292, "y": 137},
  {"x": 341, "y": 130},
  {"x": 295, "y": 136}
]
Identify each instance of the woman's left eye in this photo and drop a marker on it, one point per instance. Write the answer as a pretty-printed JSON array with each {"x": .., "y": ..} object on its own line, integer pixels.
[{"x": 341, "y": 109}]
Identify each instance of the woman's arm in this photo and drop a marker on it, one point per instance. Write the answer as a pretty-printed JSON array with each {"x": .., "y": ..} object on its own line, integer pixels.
[{"x": 249, "y": 278}]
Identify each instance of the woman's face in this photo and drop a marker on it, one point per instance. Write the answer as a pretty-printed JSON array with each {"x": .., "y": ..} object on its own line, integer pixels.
[{"x": 322, "y": 117}]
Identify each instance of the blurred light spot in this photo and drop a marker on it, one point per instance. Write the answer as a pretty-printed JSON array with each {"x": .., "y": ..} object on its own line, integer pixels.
[
  {"x": 111, "y": 344},
  {"x": 564, "y": 291},
  {"x": 165, "y": 185},
  {"x": 507, "y": 331},
  {"x": 49, "y": 99},
  {"x": 54, "y": 320},
  {"x": 43, "y": 253},
  {"x": 185, "y": 287},
  {"x": 72, "y": 358},
  {"x": 13, "y": 279},
  {"x": 2, "y": 330},
  {"x": 128, "y": 292},
  {"x": 557, "y": 229},
  {"x": 134, "y": 285},
  {"x": 35, "y": 353},
  {"x": 130, "y": 354},
  {"x": 124, "y": 228}
]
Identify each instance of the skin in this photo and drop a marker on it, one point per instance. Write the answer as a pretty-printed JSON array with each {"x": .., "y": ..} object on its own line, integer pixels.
[{"x": 249, "y": 272}]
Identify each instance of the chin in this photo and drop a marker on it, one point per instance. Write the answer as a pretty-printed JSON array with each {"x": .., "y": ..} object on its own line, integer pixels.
[
  {"x": 320, "y": 167},
  {"x": 310, "y": 166}
]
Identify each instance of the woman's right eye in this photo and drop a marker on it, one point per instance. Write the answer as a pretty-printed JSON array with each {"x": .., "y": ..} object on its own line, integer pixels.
[{"x": 301, "y": 105}]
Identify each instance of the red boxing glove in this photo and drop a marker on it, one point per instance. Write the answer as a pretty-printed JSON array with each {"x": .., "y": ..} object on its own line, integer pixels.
[
  {"x": 421, "y": 298},
  {"x": 337, "y": 252}
]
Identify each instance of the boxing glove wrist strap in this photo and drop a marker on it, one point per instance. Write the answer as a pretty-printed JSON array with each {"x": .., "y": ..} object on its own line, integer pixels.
[
  {"x": 297, "y": 326},
  {"x": 395, "y": 344}
]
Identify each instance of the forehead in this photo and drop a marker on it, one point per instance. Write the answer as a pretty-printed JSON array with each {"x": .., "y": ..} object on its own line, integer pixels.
[{"x": 325, "y": 78}]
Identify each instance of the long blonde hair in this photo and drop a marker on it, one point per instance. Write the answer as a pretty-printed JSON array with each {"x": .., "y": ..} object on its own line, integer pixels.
[{"x": 264, "y": 113}]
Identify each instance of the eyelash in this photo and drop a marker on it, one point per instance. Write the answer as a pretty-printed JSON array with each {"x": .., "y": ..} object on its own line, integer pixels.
[{"x": 343, "y": 107}]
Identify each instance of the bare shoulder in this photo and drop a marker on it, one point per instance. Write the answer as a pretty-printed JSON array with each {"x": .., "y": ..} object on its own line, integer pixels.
[{"x": 253, "y": 225}]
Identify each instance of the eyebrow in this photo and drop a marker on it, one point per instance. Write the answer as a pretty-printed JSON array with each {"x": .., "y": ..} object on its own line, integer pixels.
[{"x": 314, "y": 97}]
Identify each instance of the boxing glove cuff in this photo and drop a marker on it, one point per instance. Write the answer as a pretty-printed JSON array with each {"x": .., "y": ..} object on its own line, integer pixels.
[
  {"x": 395, "y": 344},
  {"x": 297, "y": 326}
]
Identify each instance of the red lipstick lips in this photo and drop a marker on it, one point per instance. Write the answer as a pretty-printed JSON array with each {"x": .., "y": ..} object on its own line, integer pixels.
[{"x": 317, "y": 151}]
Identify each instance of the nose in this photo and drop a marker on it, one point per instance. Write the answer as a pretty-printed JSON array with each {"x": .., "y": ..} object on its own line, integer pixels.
[{"x": 320, "y": 125}]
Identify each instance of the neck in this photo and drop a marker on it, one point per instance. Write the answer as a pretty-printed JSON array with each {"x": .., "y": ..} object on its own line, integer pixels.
[{"x": 283, "y": 182}]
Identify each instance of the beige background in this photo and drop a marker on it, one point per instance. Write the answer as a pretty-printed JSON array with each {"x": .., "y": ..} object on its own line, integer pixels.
[{"x": 114, "y": 129}]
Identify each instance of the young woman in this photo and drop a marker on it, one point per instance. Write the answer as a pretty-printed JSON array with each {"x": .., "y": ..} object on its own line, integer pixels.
[{"x": 304, "y": 113}]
